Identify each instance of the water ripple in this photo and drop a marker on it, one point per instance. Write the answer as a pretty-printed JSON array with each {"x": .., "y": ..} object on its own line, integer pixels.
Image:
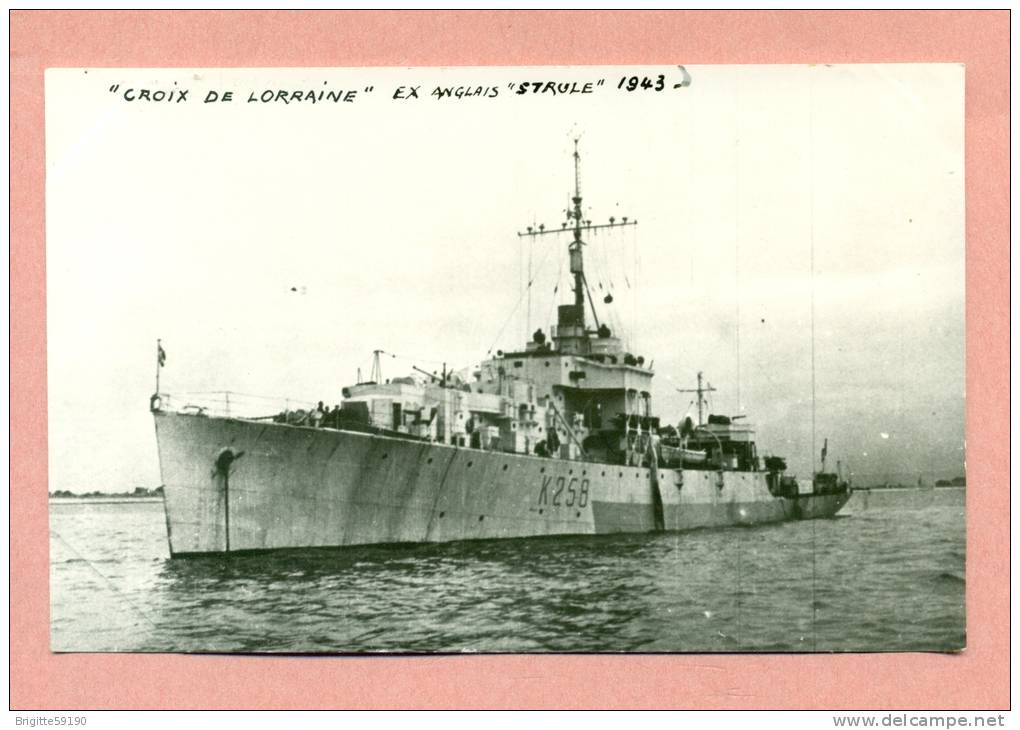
[{"x": 887, "y": 576}]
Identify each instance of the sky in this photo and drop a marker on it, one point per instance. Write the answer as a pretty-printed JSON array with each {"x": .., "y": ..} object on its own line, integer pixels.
[{"x": 800, "y": 240}]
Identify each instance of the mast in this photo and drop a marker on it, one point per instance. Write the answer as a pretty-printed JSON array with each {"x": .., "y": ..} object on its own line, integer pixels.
[
  {"x": 576, "y": 256},
  {"x": 376, "y": 376},
  {"x": 577, "y": 225},
  {"x": 159, "y": 362},
  {"x": 702, "y": 388}
]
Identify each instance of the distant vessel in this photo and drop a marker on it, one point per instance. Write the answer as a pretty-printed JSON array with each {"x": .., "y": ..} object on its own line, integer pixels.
[{"x": 556, "y": 438}]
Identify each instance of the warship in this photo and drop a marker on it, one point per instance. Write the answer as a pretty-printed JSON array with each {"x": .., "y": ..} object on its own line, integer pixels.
[{"x": 557, "y": 437}]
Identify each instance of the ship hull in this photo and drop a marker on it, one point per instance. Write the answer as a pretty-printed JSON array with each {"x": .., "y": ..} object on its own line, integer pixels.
[{"x": 233, "y": 485}]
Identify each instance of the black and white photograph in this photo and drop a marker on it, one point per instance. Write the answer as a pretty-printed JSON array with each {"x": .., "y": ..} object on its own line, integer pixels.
[{"x": 574, "y": 359}]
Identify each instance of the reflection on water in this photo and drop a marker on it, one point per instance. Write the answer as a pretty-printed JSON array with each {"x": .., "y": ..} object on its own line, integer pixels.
[{"x": 886, "y": 575}]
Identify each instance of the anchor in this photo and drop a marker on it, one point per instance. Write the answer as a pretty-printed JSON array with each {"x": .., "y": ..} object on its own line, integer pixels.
[{"x": 221, "y": 468}]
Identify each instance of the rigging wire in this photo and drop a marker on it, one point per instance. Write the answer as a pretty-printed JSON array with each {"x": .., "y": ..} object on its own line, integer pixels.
[
  {"x": 552, "y": 302},
  {"x": 412, "y": 359},
  {"x": 637, "y": 279},
  {"x": 520, "y": 273},
  {"x": 531, "y": 253},
  {"x": 605, "y": 264},
  {"x": 520, "y": 299},
  {"x": 600, "y": 259}
]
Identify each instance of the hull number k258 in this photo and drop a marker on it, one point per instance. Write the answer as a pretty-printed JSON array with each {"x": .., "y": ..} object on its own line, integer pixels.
[{"x": 561, "y": 491}]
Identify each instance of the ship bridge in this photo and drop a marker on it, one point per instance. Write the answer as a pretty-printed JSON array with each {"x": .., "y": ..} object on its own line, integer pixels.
[{"x": 592, "y": 377}]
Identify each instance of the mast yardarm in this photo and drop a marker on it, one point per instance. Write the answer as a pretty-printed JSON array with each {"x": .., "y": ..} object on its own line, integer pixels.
[{"x": 576, "y": 254}]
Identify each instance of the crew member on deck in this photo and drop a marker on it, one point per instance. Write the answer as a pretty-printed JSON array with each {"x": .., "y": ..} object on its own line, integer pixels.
[{"x": 317, "y": 414}]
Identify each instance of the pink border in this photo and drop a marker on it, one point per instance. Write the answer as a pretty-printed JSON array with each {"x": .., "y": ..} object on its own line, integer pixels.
[{"x": 978, "y": 678}]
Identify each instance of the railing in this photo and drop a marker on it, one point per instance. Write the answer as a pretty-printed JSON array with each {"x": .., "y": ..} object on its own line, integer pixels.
[{"x": 230, "y": 404}]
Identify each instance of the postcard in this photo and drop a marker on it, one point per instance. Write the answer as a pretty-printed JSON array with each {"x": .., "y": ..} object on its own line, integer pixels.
[{"x": 506, "y": 360}]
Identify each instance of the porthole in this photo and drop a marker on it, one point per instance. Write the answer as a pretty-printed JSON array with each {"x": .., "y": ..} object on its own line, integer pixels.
[
  {"x": 505, "y": 467},
  {"x": 429, "y": 460},
  {"x": 469, "y": 464},
  {"x": 384, "y": 456},
  {"x": 481, "y": 517},
  {"x": 441, "y": 515}
]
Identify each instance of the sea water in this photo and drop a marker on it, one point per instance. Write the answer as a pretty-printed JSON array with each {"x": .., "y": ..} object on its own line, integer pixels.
[{"x": 886, "y": 574}]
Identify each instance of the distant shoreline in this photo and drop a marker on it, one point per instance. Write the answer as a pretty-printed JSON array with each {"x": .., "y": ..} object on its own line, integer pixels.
[
  {"x": 103, "y": 499},
  {"x": 910, "y": 489}
]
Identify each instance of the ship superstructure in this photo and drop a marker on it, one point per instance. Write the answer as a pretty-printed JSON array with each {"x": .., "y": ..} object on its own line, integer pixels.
[{"x": 572, "y": 394}]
